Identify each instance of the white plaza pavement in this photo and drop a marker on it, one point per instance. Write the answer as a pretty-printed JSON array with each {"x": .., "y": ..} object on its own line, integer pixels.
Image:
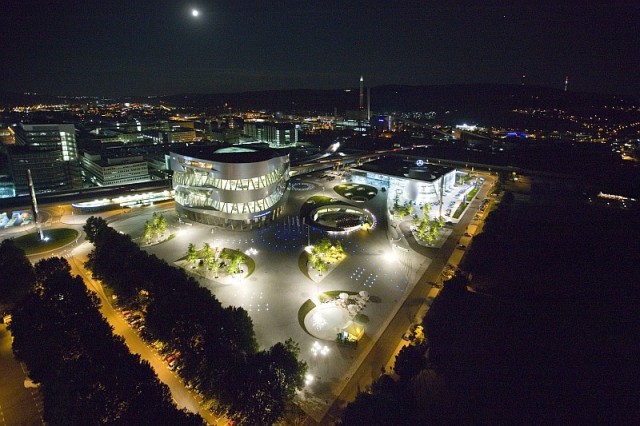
[
  {"x": 277, "y": 289},
  {"x": 379, "y": 262}
]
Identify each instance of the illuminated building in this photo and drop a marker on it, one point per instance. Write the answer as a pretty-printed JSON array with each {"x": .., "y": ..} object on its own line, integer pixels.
[
  {"x": 115, "y": 171},
  {"x": 49, "y": 150},
  {"x": 179, "y": 134},
  {"x": 414, "y": 181},
  {"x": 49, "y": 137},
  {"x": 275, "y": 134},
  {"x": 236, "y": 187}
]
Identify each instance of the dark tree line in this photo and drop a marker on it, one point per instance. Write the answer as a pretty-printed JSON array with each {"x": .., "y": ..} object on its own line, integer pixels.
[
  {"x": 16, "y": 276},
  {"x": 542, "y": 331},
  {"x": 217, "y": 345},
  {"x": 87, "y": 375}
]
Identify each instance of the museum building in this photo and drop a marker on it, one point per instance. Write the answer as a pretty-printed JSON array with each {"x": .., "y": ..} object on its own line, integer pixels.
[
  {"x": 407, "y": 179},
  {"x": 238, "y": 187}
]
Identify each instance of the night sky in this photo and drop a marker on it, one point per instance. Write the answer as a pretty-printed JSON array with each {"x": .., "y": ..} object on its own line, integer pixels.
[{"x": 141, "y": 47}]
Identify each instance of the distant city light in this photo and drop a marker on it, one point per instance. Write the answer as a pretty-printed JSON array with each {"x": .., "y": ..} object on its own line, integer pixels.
[{"x": 466, "y": 127}]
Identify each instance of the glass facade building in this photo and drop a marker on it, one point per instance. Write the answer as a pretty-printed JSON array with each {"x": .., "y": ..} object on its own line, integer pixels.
[
  {"x": 236, "y": 188},
  {"x": 50, "y": 152}
]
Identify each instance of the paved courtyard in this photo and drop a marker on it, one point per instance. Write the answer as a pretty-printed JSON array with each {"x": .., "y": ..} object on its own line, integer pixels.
[
  {"x": 379, "y": 261},
  {"x": 278, "y": 288}
]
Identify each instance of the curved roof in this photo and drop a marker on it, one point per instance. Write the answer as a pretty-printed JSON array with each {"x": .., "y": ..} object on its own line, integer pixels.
[{"x": 231, "y": 154}]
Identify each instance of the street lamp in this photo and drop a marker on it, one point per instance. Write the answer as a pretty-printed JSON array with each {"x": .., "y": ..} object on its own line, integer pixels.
[
  {"x": 308, "y": 379},
  {"x": 318, "y": 349}
]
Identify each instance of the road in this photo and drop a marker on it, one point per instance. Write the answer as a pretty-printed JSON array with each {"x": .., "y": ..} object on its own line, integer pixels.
[
  {"x": 183, "y": 397},
  {"x": 76, "y": 254},
  {"x": 18, "y": 405}
]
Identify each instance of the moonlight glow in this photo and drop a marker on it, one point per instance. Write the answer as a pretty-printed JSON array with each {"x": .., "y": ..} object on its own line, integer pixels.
[{"x": 195, "y": 13}]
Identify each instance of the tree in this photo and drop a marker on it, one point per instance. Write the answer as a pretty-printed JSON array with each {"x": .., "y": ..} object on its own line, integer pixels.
[
  {"x": 269, "y": 380},
  {"x": 148, "y": 231},
  {"x": 410, "y": 361},
  {"x": 16, "y": 276},
  {"x": 426, "y": 208},
  {"x": 323, "y": 246},
  {"x": 322, "y": 267},
  {"x": 215, "y": 267},
  {"x": 312, "y": 258},
  {"x": 207, "y": 254},
  {"x": 235, "y": 260},
  {"x": 433, "y": 234},
  {"x": 387, "y": 403},
  {"x": 192, "y": 253},
  {"x": 159, "y": 223},
  {"x": 93, "y": 226},
  {"x": 87, "y": 374},
  {"x": 162, "y": 224},
  {"x": 50, "y": 268},
  {"x": 217, "y": 344}
]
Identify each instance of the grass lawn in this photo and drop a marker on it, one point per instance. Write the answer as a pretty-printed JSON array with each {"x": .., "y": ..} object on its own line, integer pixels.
[
  {"x": 302, "y": 263},
  {"x": 315, "y": 202},
  {"x": 472, "y": 193},
  {"x": 351, "y": 190},
  {"x": 303, "y": 311},
  {"x": 58, "y": 237},
  {"x": 228, "y": 253},
  {"x": 323, "y": 297},
  {"x": 459, "y": 210}
]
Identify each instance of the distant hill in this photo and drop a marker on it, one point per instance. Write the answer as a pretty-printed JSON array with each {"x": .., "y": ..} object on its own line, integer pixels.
[
  {"x": 484, "y": 103},
  {"x": 487, "y": 103},
  {"x": 9, "y": 99}
]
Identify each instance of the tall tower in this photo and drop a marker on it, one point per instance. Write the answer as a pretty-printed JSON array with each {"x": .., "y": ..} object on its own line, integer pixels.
[
  {"x": 566, "y": 82},
  {"x": 361, "y": 93},
  {"x": 368, "y": 104},
  {"x": 34, "y": 205}
]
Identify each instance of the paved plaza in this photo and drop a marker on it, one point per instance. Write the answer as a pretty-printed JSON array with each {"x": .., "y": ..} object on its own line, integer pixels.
[
  {"x": 278, "y": 288},
  {"x": 380, "y": 262}
]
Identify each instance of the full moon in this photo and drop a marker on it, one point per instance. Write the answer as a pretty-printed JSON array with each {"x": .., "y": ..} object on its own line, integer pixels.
[{"x": 195, "y": 12}]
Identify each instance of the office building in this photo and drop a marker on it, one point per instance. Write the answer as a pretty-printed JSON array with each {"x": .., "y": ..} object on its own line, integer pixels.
[
  {"x": 121, "y": 170},
  {"x": 277, "y": 135},
  {"x": 50, "y": 151}
]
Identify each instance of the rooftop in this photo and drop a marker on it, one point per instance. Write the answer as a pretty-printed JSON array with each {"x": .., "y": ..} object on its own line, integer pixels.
[
  {"x": 232, "y": 154},
  {"x": 401, "y": 167}
]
